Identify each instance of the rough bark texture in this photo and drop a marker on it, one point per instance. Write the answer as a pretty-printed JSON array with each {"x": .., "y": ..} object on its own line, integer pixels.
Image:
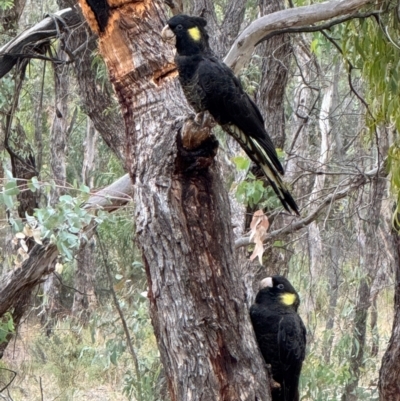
[
  {"x": 276, "y": 56},
  {"x": 182, "y": 220},
  {"x": 89, "y": 153},
  {"x": 26, "y": 277},
  {"x": 389, "y": 375},
  {"x": 85, "y": 300}
]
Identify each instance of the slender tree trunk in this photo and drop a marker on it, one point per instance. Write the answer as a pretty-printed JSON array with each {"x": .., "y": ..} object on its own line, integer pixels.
[
  {"x": 182, "y": 221},
  {"x": 303, "y": 105},
  {"x": 389, "y": 374},
  {"x": 276, "y": 56},
  {"x": 333, "y": 290},
  {"x": 314, "y": 236},
  {"x": 368, "y": 233},
  {"x": 85, "y": 300},
  {"x": 89, "y": 153},
  {"x": 58, "y": 139}
]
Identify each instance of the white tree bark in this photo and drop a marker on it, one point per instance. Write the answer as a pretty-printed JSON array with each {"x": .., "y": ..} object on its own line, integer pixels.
[
  {"x": 314, "y": 236},
  {"x": 244, "y": 45}
]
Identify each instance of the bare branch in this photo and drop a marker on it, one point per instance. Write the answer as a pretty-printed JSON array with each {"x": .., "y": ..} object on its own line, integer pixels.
[
  {"x": 361, "y": 180},
  {"x": 24, "y": 45},
  {"x": 244, "y": 45}
]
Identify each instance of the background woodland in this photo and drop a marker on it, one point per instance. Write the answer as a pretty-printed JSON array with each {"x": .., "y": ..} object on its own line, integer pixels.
[{"x": 89, "y": 260}]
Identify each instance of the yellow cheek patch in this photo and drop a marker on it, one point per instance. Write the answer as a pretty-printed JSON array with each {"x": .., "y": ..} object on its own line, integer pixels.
[
  {"x": 288, "y": 299},
  {"x": 194, "y": 33}
]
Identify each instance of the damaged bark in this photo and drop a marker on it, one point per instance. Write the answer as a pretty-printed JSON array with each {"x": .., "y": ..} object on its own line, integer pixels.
[{"x": 182, "y": 220}]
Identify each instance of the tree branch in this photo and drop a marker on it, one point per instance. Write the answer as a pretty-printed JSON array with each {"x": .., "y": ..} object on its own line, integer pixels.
[
  {"x": 24, "y": 45},
  {"x": 362, "y": 179},
  {"x": 318, "y": 28},
  {"x": 244, "y": 45}
]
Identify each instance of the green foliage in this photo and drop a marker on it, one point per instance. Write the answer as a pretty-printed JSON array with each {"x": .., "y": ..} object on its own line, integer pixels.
[
  {"x": 242, "y": 163},
  {"x": 6, "y": 4},
  {"x": 251, "y": 75},
  {"x": 6, "y": 91},
  {"x": 62, "y": 223},
  {"x": 130, "y": 286},
  {"x": 371, "y": 46},
  {"x": 393, "y": 165},
  {"x": 6, "y": 326},
  {"x": 252, "y": 191}
]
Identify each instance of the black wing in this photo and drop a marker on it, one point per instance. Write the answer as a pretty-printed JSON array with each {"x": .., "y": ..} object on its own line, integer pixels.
[
  {"x": 223, "y": 96},
  {"x": 228, "y": 103},
  {"x": 292, "y": 341},
  {"x": 292, "y": 347}
]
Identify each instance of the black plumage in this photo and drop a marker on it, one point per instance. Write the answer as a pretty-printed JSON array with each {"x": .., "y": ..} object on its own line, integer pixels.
[
  {"x": 281, "y": 334},
  {"x": 210, "y": 85}
]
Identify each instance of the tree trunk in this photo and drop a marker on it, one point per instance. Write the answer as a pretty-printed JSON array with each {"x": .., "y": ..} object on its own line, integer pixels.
[
  {"x": 389, "y": 375},
  {"x": 314, "y": 236},
  {"x": 89, "y": 153},
  {"x": 367, "y": 234},
  {"x": 333, "y": 286},
  {"x": 182, "y": 220},
  {"x": 58, "y": 146},
  {"x": 85, "y": 300},
  {"x": 276, "y": 56},
  {"x": 23, "y": 166}
]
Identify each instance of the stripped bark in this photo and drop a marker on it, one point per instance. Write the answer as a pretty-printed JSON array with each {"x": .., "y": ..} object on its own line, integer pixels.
[
  {"x": 98, "y": 102},
  {"x": 182, "y": 221}
]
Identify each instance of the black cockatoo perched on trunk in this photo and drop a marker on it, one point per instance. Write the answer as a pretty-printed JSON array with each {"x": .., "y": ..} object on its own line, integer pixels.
[
  {"x": 210, "y": 85},
  {"x": 281, "y": 334}
]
